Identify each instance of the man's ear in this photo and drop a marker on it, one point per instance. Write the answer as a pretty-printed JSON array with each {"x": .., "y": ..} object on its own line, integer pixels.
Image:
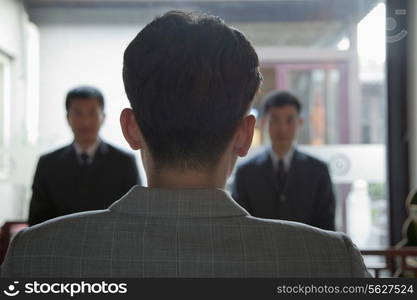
[
  {"x": 244, "y": 135},
  {"x": 130, "y": 129}
]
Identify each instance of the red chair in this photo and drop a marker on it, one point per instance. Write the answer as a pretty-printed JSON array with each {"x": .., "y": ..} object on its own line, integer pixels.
[{"x": 7, "y": 231}]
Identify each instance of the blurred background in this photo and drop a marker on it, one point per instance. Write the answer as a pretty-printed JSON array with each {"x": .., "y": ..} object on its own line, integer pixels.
[{"x": 331, "y": 53}]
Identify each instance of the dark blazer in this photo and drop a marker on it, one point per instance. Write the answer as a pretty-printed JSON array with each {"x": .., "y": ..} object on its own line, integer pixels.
[
  {"x": 308, "y": 194},
  {"x": 60, "y": 187}
]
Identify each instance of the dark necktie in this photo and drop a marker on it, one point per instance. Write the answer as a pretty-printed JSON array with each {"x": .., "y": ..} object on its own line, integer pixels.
[
  {"x": 283, "y": 207},
  {"x": 84, "y": 159},
  {"x": 281, "y": 176},
  {"x": 83, "y": 179}
]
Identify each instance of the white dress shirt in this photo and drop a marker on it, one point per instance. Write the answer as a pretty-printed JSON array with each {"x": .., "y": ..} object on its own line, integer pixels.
[
  {"x": 286, "y": 158},
  {"x": 90, "y": 151}
]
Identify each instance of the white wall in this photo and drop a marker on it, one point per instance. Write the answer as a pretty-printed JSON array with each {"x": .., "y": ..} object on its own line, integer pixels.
[
  {"x": 10, "y": 26},
  {"x": 12, "y": 42},
  {"x": 80, "y": 46},
  {"x": 71, "y": 55},
  {"x": 83, "y": 46},
  {"x": 16, "y": 151}
]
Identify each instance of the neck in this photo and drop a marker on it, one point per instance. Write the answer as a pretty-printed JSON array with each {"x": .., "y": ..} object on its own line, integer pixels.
[
  {"x": 84, "y": 145},
  {"x": 280, "y": 152},
  {"x": 189, "y": 179},
  {"x": 172, "y": 178}
]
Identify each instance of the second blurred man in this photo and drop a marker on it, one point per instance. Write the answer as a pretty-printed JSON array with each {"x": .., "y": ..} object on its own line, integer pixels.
[
  {"x": 88, "y": 174},
  {"x": 282, "y": 182}
]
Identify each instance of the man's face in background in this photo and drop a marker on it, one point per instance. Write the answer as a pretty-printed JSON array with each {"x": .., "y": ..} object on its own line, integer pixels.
[
  {"x": 283, "y": 123},
  {"x": 85, "y": 117}
]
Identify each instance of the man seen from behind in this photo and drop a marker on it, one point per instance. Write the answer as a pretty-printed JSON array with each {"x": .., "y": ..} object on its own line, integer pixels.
[{"x": 190, "y": 80}]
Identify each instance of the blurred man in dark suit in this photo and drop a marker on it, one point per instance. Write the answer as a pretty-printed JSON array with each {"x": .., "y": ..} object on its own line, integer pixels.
[
  {"x": 282, "y": 182},
  {"x": 87, "y": 174}
]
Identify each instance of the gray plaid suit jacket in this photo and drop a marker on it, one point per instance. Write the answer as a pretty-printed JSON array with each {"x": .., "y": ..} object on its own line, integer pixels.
[{"x": 153, "y": 232}]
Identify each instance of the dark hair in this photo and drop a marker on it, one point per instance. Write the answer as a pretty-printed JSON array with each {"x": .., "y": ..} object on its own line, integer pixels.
[
  {"x": 189, "y": 79},
  {"x": 84, "y": 92},
  {"x": 279, "y": 99}
]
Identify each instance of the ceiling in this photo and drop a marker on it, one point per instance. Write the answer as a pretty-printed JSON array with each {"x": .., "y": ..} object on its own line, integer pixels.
[{"x": 238, "y": 10}]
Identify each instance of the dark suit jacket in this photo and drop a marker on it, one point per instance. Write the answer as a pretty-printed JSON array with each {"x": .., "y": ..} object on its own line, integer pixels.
[
  {"x": 60, "y": 187},
  {"x": 308, "y": 194}
]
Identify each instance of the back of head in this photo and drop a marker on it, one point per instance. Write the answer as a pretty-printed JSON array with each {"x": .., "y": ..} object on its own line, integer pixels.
[
  {"x": 279, "y": 99},
  {"x": 190, "y": 79}
]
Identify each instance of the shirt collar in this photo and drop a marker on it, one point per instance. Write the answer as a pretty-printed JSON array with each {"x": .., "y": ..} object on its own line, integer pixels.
[
  {"x": 286, "y": 158},
  {"x": 90, "y": 151}
]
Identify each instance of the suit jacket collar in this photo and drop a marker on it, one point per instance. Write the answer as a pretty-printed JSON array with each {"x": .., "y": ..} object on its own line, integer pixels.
[
  {"x": 265, "y": 161},
  {"x": 69, "y": 156},
  {"x": 178, "y": 203},
  {"x": 103, "y": 148},
  {"x": 101, "y": 151}
]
